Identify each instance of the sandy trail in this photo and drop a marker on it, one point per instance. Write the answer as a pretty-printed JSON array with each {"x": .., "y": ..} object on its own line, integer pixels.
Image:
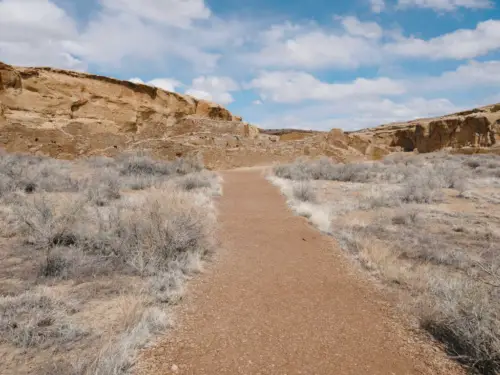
[{"x": 282, "y": 299}]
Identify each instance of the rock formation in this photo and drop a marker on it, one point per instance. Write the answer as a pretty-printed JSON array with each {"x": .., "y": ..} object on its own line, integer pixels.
[
  {"x": 67, "y": 114},
  {"x": 477, "y": 128}
]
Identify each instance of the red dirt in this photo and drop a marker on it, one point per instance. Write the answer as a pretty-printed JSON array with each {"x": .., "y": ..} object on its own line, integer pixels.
[{"x": 283, "y": 299}]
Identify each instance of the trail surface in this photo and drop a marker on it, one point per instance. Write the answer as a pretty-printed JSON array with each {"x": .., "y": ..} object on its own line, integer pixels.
[{"x": 282, "y": 299}]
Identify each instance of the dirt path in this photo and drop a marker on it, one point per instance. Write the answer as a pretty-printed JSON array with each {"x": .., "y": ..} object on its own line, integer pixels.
[{"x": 282, "y": 299}]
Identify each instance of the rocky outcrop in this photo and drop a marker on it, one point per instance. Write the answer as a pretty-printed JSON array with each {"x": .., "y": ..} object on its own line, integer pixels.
[
  {"x": 477, "y": 128},
  {"x": 68, "y": 114}
]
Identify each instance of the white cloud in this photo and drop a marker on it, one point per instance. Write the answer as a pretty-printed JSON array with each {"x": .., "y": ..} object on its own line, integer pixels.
[
  {"x": 355, "y": 27},
  {"x": 446, "y": 5},
  {"x": 37, "y": 32},
  {"x": 216, "y": 89},
  {"x": 474, "y": 74},
  {"x": 377, "y": 6},
  {"x": 129, "y": 37},
  {"x": 178, "y": 13},
  {"x": 167, "y": 84},
  {"x": 118, "y": 35},
  {"x": 126, "y": 36},
  {"x": 34, "y": 17},
  {"x": 459, "y": 44},
  {"x": 293, "y": 87},
  {"x": 137, "y": 80},
  {"x": 309, "y": 46},
  {"x": 360, "y": 113}
]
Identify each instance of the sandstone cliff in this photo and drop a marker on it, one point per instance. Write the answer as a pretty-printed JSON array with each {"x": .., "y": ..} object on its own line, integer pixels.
[
  {"x": 474, "y": 129},
  {"x": 67, "y": 114}
]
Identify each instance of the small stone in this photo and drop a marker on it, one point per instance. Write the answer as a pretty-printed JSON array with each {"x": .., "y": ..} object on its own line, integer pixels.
[{"x": 174, "y": 368}]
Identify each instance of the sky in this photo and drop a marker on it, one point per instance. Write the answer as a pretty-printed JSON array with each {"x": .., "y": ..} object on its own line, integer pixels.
[{"x": 316, "y": 64}]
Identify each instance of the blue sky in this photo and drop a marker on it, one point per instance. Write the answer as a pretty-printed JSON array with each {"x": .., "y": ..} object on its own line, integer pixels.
[{"x": 314, "y": 64}]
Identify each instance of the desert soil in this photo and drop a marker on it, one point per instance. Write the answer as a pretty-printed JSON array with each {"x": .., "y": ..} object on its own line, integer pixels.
[{"x": 281, "y": 298}]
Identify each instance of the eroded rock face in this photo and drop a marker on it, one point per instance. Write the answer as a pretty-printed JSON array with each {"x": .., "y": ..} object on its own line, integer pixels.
[
  {"x": 68, "y": 114},
  {"x": 477, "y": 128}
]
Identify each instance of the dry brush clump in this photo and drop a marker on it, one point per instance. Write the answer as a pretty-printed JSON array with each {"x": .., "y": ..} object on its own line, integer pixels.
[
  {"x": 453, "y": 272},
  {"x": 82, "y": 222},
  {"x": 446, "y": 261},
  {"x": 37, "y": 319}
]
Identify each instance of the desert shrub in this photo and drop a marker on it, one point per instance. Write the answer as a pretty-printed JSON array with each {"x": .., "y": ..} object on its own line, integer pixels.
[
  {"x": 352, "y": 173},
  {"x": 139, "y": 164},
  {"x": 325, "y": 169},
  {"x": 453, "y": 175},
  {"x": 405, "y": 217},
  {"x": 103, "y": 187},
  {"x": 150, "y": 233},
  {"x": 167, "y": 286},
  {"x": 142, "y": 165},
  {"x": 94, "y": 233},
  {"x": 188, "y": 165},
  {"x": 299, "y": 170},
  {"x": 37, "y": 318},
  {"x": 463, "y": 314},
  {"x": 194, "y": 181},
  {"x": 483, "y": 165},
  {"x": 118, "y": 357},
  {"x": 54, "y": 265},
  {"x": 34, "y": 173},
  {"x": 423, "y": 187},
  {"x": 304, "y": 192},
  {"x": 48, "y": 221},
  {"x": 101, "y": 162},
  {"x": 7, "y": 185},
  {"x": 139, "y": 182}
]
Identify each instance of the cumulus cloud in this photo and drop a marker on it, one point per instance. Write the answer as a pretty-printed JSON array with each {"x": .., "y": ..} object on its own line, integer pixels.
[
  {"x": 359, "y": 114},
  {"x": 313, "y": 48},
  {"x": 39, "y": 36},
  {"x": 445, "y": 5},
  {"x": 354, "y": 26},
  {"x": 212, "y": 88},
  {"x": 474, "y": 74},
  {"x": 459, "y": 44},
  {"x": 160, "y": 32},
  {"x": 362, "y": 44},
  {"x": 116, "y": 35},
  {"x": 377, "y": 6},
  {"x": 293, "y": 87},
  {"x": 180, "y": 13}
]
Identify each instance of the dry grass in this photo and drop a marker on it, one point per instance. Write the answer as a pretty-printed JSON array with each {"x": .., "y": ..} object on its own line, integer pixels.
[
  {"x": 97, "y": 232},
  {"x": 37, "y": 319},
  {"x": 428, "y": 226},
  {"x": 304, "y": 192}
]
